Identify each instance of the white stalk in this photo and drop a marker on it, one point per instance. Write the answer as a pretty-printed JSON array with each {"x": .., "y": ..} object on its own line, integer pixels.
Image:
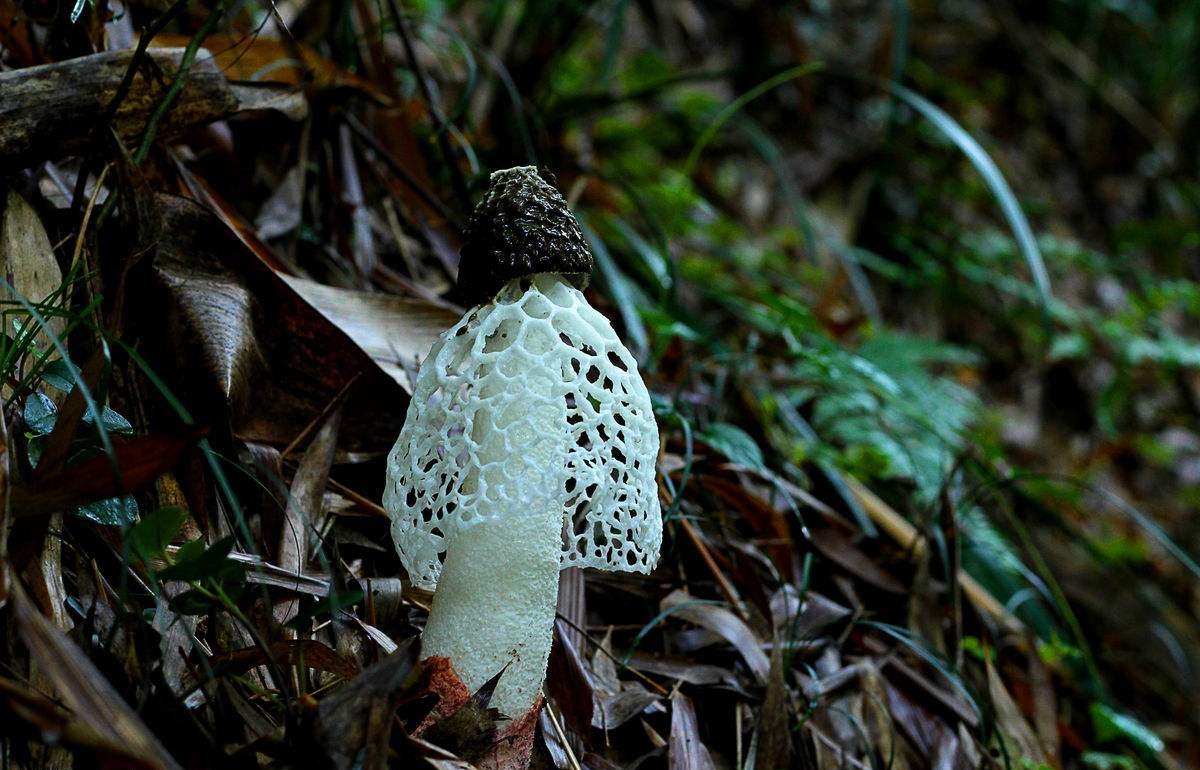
[
  {"x": 495, "y": 605},
  {"x": 498, "y": 591}
]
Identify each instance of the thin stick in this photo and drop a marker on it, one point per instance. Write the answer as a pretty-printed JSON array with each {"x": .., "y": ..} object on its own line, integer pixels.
[
  {"x": 443, "y": 140},
  {"x": 396, "y": 168},
  {"x": 731, "y": 594},
  {"x": 562, "y": 736},
  {"x": 907, "y": 536}
]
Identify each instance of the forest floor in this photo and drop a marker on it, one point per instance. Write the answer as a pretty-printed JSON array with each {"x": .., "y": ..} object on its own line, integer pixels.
[{"x": 915, "y": 289}]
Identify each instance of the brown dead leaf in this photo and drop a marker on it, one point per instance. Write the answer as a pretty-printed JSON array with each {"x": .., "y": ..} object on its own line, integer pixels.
[
  {"x": 283, "y": 210},
  {"x": 921, "y": 726},
  {"x": 604, "y": 667},
  {"x": 303, "y": 514},
  {"x": 248, "y": 349},
  {"x": 352, "y": 726},
  {"x": 1045, "y": 705},
  {"x": 618, "y": 708},
  {"x": 774, "y": 737},
  {"x": 27, "y": 263},
  {"x": 177, "y": 633},
  {"x": 291, "y": 652},
  {"x": 685, "y": 750},
  {"x": 92, "y": 700},
  {"x": 394, "y": 331},
  {"x": 140, "y": 460},
  {"x": 567, "y": 683},
  {"x": 683, "y": 670},
  {"x": 1012, "y": 723},
  {"x": 836, "y": 546},
  {"x": 31, "y": 272},
  {"x": 258, "y": 59},
  {"x": 795, "y": 623},
  {"x": 726, "y": 625},
  {"x": 55, "y": 725}
]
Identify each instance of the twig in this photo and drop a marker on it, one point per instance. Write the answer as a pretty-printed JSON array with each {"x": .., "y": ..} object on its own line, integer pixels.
[
  {"x": 394, "y": 166},
  {"x": 176, "y": 87},
  {"x": 119, "y": 96},
  {"x": 443, "y": 140},
  {"x": 562, "y": 736}
]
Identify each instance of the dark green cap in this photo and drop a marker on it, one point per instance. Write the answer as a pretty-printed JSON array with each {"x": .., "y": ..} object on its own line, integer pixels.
[{"x": 522, "y": 227}]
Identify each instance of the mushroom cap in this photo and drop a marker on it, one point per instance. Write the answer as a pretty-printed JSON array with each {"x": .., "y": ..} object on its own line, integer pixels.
[
  {"x": 529, "y": 400},
  {"x": 521, "y": 227}
]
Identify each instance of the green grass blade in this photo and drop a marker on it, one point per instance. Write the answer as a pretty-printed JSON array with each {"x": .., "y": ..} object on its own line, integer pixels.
[
  {"x": 737, "y": 104},
  {"x": 992, "y": 177},
  {"x": 92, "y": 408}
]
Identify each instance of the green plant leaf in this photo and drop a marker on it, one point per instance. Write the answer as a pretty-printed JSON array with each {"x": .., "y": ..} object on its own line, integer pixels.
[
  {"x": 40, "y": 413},
  {"x": 992, "y": 177},
  {"x": 149, "y": 538},
  {"x": 734, "y": 443},
  {"x": 212, "y": 563},
  {"x": 191, "y": 602},
  {"x": 111, "y": 512},
  {"x": 60, "y": 375},
  {"x": 113, "y": 421},
  {"x": 1110, "y": 725}
]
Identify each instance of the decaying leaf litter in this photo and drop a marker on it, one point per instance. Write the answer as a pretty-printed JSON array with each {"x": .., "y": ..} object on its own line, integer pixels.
[{"x": 230, "y": 235}]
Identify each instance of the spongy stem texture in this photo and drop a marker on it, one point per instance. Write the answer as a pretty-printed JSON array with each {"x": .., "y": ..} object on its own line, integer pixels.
[
  {"x": 495, "y": 606},
  {"x": 496, "y": 597}
]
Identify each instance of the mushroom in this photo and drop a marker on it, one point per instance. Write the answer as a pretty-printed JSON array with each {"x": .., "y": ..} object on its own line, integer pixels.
[{"x": 529, "y": 445}]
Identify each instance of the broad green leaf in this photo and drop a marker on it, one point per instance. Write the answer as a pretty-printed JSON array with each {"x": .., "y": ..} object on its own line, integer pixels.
[
  {"x": 213, "y": 563},
  {"x": 734, "y": 443},
  {"x": 111, "y": 512},
  {"x": 150, "y": 537},
  {"x": 60, "y": 375},
  {"x": 40, "y": 413}
]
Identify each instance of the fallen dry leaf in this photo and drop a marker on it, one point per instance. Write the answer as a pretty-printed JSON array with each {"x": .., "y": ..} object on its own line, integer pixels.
[
  {"x": 726, "y": 625},
  {"x": 303, "y": 515},
  {"x": 259, "y": 59},
  {"x": 28, "y": 265},
  {"x": 685, "y": 749},
  {"x": 83, "y": 688},
  {"x": 396, "y": 332},
  {"x": 137, "y": 462},
  {"x": 252, "y": 342}
]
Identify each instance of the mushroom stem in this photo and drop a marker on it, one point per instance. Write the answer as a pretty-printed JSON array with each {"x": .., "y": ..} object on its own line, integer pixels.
[
  {"x": 495, "y": 606},
  {"x": 498, "y": 590}
]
